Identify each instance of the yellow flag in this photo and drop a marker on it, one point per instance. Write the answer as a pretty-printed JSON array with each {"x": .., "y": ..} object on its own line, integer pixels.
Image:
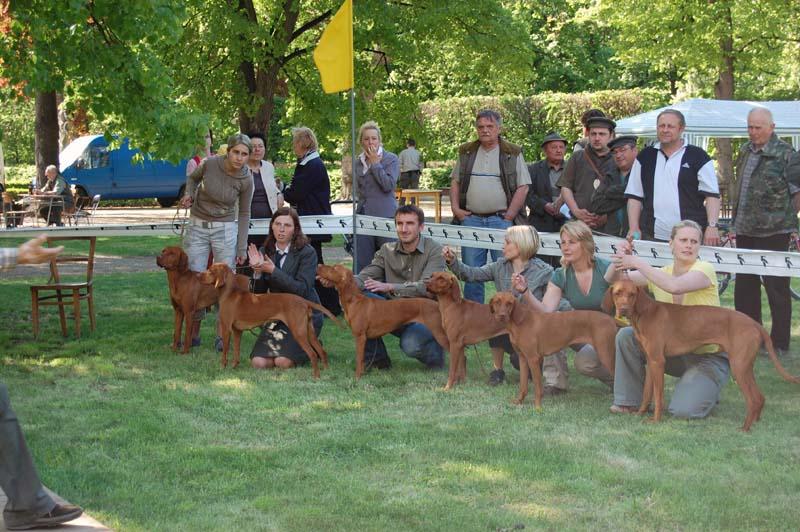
[{"x": 334, "y": 53}]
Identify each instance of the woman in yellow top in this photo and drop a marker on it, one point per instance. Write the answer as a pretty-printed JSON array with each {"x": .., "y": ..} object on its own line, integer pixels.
[{"x": 687, "y": 281}]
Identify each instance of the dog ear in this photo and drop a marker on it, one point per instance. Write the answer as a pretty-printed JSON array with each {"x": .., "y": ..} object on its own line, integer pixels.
[
  {"x": 643, "y": 300},
  {"x": 455, "y": 289},
  {"x": 517, "y": 314},
  {"x": 608, "y": 301},
  {"x": 183, "y": 262},
  {"x": 219, "y": 276}
]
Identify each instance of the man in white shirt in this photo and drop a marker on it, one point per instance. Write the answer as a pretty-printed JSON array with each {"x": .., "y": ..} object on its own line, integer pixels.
[{"x": 674, "y": 181}]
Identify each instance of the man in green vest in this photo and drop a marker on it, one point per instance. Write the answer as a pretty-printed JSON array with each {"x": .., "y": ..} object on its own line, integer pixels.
[{"x": 488, "y": 187}]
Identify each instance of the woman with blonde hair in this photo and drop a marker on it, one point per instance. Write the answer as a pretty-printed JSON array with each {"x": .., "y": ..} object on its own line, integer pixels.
[
  {"x": 581, "y": 281},
  {"x": 519, "y": 250},
  {"x": 375, "y": 171}
]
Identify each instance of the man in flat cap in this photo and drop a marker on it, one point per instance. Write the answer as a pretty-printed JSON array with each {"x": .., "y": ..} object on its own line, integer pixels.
[
  {"x": 609, "y": 198},
  {"x": 587, "y": 115},
  {"x": 674, "y": 181},
  {"x": 585, "y": 171},
  {"x": 543, "y": 199}
]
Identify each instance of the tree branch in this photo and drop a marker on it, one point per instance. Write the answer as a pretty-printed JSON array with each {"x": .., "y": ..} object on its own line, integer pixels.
[{"x": 310, "y": 24}]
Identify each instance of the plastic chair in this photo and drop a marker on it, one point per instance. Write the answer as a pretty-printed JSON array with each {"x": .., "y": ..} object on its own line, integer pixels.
[{"x": 63, "y": 294}]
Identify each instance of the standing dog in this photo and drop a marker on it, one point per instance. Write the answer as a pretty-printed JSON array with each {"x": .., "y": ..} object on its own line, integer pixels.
[
  {"x": 240, "y": 310},
  {"x": 537, "y": 334},
  {"x": 464, "y": 321},
  {"x": 372, "y": 318},
  {"x": 186, "y": 293},
  {"x": 666, "y": 329}
]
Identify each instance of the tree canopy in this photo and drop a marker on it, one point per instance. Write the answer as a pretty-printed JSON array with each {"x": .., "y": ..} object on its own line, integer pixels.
[{"x": 161, "y": 71}]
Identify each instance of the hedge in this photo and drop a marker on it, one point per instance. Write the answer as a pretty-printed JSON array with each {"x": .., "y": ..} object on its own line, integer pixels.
[{"x": 447, "y": 123}]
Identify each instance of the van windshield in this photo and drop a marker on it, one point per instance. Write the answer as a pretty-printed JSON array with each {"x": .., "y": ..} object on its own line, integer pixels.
[{"x": 75, "y": 149}]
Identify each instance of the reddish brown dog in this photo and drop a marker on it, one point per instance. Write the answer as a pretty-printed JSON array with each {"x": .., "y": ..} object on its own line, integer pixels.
[
  {"x": 537, "y": 334},
  {"x": 240, "y": 310},
  {"x": 372, "y": 318},
  {"x": 666, "y": 329},
  {"x": 186, "y": 293},
  {"x": 464, "y": 321}
]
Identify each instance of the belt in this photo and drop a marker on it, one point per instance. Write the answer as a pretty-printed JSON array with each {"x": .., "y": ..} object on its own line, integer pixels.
[
  {"x": 499, "y": 214},
  {"x": 205, "y": 224}
]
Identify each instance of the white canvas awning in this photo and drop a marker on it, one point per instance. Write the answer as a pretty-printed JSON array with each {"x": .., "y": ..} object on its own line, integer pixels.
[{"x": 717, "y": 118}]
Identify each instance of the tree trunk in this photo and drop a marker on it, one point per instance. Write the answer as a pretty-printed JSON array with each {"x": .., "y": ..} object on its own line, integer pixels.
[
  {"x": 46, "y": 133},
  {"x": 724, "y": 89}
]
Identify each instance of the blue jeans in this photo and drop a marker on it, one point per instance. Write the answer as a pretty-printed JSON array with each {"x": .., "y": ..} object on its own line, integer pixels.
[
  {"x": 478, "y": 256},
  {"x": 416, "y": 341}
]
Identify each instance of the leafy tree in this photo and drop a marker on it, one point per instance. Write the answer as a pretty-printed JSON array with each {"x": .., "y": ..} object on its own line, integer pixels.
[
  {"x": 16, "y": 131},
  {"x": 712, "y": 43},
  {"x": 105, "y": 55}
]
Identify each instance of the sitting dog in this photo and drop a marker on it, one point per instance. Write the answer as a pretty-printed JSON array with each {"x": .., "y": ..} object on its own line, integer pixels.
[
  {"x": 240, "y": 310},
  {"x": 465, "y": 322},
  {"x": 186, "y": 293},
  {"x": 666, "y": 329},
  {"x": 537, "y": 334},
  {"x": 372, "y": 318}
]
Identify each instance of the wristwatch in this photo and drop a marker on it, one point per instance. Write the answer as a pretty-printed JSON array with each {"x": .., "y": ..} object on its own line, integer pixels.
[{"x": 712, "y": 224}]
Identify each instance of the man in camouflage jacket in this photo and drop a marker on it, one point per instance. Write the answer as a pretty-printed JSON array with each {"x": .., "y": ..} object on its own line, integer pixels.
[{"x": 764, "y": 195}]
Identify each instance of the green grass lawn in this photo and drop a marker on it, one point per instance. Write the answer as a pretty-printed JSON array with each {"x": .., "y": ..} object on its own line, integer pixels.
[{"x": 146, "y": 439}]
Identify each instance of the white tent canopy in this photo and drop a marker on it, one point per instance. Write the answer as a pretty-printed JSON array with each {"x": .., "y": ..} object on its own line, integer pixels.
[{"x": 717, "y": 118}]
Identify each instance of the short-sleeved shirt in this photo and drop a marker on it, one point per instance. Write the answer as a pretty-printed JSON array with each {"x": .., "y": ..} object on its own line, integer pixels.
[
  {"x": 706, "y": 296},
  {"x": 485, "y": 193},
  {"x": 565, "y": 279}
]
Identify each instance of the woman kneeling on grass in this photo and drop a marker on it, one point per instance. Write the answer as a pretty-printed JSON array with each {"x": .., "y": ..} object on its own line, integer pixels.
[
  {"x": 519, "y": 248},
  {"x": 285, "y": 264},
  {"x": 581, "y": 281},
  {"x": 687, "y": 281}
]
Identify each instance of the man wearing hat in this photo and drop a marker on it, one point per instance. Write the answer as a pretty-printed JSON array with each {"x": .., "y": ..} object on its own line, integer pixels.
[
  {"x": 585, "y": 171},
  {"x": 609, "y": 198},
  {"x": 674, "y": 181},
  {"x": 543, "y": 199},
  {"x": 587, "y": 115}
]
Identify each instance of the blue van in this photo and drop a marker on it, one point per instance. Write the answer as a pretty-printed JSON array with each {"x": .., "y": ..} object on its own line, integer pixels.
[{"x": 93, "y": 168}]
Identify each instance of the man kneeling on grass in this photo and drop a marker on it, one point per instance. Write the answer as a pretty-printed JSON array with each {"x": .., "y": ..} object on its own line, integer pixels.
[{"x": 400, "y": 269}]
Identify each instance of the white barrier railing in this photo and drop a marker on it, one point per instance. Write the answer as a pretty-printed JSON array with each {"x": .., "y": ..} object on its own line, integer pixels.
[{"x": 782, "y": 264}]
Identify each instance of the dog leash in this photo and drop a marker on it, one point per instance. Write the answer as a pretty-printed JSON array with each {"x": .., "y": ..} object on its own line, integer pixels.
[{"x": 177, "y": 219}]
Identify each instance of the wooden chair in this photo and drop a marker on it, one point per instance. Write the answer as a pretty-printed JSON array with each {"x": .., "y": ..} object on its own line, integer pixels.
[{"x": 63, "y": 294}]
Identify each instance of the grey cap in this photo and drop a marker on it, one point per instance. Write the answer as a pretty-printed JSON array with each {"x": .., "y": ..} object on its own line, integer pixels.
[
  {"x": 552, "y": 137},
  {"x": 623, "y": 140},
  {"x": 601, "y": 121}
]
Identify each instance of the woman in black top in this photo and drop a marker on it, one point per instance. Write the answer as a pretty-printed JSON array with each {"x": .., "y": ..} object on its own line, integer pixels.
[
  {"x": 285, "y": 264},
  {"x": 310, "y": 194}
]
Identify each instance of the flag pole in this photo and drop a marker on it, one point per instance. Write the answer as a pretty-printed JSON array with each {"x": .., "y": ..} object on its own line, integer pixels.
[{"x": 355, "y": 178}]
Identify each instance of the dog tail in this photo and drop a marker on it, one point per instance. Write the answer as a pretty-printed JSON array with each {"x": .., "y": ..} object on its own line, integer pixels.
[
  {"x": 327, "y": 313},
  {"x": 775, "y": 360}
]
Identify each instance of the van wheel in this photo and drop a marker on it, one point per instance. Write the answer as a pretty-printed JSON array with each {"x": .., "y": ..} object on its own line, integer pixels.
[
  {"x": 167, "y": 202},
  {"x": 170, "y": 202}
]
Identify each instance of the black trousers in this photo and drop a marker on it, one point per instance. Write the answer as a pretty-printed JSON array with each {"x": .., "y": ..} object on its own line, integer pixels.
[{"x": 747, "y": 294}]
